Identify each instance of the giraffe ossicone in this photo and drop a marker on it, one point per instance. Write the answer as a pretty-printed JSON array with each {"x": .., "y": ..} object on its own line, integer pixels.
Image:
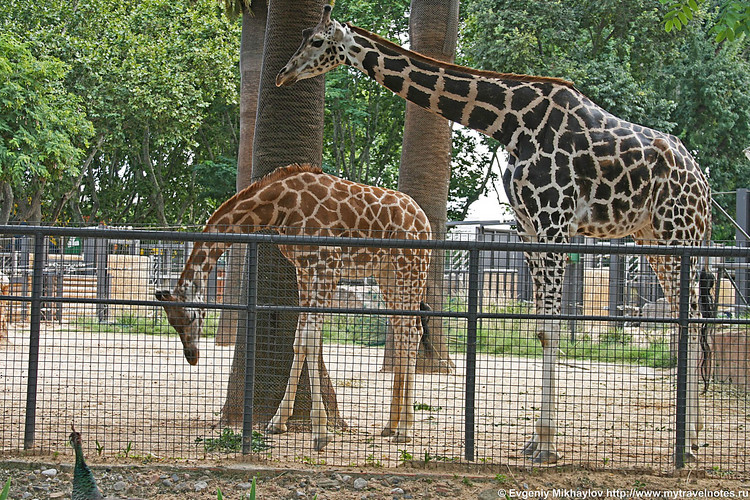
[
  {"x": 300, "y": 199},
  {"x": 574, "y": 169}
]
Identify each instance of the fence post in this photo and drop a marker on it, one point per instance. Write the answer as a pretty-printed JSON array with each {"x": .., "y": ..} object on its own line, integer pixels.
[
  {"x": 101, "y": 249},
  {"x": 34, "y": 331},
  {"x": 251, "y": 271},
  {"x": 471, "y": 352},
  {"x": 682, "y": 361},
  {"x": 743, "y": 219},
  {"x": 616, "y": 282}
]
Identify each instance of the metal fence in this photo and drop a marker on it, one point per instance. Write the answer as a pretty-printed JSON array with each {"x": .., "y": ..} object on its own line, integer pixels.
[{"x": 86, "y": 342}]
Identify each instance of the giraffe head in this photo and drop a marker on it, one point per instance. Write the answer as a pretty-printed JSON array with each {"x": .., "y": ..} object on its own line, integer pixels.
[
  {"x": 187, "y": 321},
  {"x": 322, "y": 50}
]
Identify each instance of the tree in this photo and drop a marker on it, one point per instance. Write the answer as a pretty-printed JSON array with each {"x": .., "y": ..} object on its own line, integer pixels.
[
  {"x": 254, "y": 16},
  {"x": 425, "y": 170},
  {"x": 288, "y": 130},
  {"x": 43, "y": 132},
  {"x": 157, "y": 80}
]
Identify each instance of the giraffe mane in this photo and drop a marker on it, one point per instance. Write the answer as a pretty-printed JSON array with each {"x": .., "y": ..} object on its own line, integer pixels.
[{"x": 455, "y": 67}]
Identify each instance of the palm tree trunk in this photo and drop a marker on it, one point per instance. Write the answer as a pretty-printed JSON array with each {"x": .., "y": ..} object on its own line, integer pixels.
[
  {"x": 289, "y": 129},
  {"x": 424, "y": 173},
  {"x": 251, "y": 58}
]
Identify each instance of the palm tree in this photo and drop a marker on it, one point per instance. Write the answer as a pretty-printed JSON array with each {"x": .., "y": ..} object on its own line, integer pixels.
[
  {"x": 289, "y": 129},
  {"x": 425, "y": 168},
  {"x": 254, "y": 14}
]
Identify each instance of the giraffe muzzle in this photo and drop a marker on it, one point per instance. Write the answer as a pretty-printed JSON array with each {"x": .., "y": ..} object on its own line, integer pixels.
[{"x": 285, "y": 77}]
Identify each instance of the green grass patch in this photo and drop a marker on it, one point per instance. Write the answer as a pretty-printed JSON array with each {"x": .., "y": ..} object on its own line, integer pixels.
[
  {"x": 359, "y": 329},
  {"x": 231, "y": 442},
  {"x": 129, "y": 323}
]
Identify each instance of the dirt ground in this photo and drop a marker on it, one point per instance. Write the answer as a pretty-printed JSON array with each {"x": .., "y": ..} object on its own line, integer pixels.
[{"x": 136, "y": 401}]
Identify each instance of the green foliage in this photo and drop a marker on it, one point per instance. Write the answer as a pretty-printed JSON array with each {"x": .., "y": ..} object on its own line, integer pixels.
[
  {"x": 733, "y": 20},
  {"x": 159, "y": 81},
  {"x": 231, "y": 442},
  {"x": 6, "y": 490},
  {"x": 42, "y": 128}
]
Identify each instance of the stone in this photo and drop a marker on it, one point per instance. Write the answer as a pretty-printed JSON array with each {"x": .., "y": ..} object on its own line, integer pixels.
[
  {"x": 360, "y": 484},
  {"x": 200, "y": 485},
  {"x": 120, "y": 486},
  {"x": 49, "y": 472},
  {"x": 244, "y": 486},
  {"x": 397, "y": 491}
]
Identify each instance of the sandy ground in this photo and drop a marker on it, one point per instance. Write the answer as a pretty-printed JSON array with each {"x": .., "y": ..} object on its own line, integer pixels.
[{"x": 134, "y": 397}]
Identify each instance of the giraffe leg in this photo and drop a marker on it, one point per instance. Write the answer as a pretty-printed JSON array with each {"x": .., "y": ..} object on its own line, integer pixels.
[
  {"x": 667, "y": 269},
  {"x": 547, "y": 270},
  {"x": 321, "y": 436},
  {"x": 277, "y": 424},
  {"x": 395, "y": 411},
  {"x": 407, "y": 366}
]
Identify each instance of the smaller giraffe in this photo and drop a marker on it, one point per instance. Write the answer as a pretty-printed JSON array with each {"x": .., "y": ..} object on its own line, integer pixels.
[{"x": 300, "y": 199}]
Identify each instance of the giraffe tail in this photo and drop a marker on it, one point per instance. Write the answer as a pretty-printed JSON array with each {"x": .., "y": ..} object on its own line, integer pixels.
[{"x": 708, "y": 310}]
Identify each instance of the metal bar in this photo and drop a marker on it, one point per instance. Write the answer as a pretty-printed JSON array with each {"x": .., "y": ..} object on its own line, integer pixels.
[
  {"x": 471, "y": 354},
  {"x": 251, "y": 273},
  {"x": 682, "y": 361},
  {"x": 34, "y": 333},
  {"x": 278, "y": 239},
  {"x": 736, "y": 224}
]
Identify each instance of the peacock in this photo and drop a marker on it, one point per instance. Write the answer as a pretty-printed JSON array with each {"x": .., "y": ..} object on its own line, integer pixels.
[{"x": 84, "y": 484}]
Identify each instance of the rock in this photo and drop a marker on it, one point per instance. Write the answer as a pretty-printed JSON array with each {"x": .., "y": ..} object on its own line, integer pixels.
[
  {"x": 167, "y": 483},
  {"x": 57, "y": 494},
  {"x": 244, "y": 486},
  {"x": 490, "y": 494},
  {"x": 200, "y": 485},
  {"x": 345, "y": 478},
  {"x": 183, "y": 487},
  {"x": 120, "y": 486},
  {"x": 49, "y": 472},
  {"x": 300, "y": 494},
  {"x": 360, "y": 484},
  {"x": 329, "y": 484},
  {"x": 25, "y": 495},
  {"x": 397, "y": 491},
  {"x": 394, "y": 480},
  {"x": 175, "y": 478}
]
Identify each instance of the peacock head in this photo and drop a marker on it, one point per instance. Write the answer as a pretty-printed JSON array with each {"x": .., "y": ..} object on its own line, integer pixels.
[
  {"x": 322, "y": 49},
  {"x": 187, "y": 321},
  {"x": 75, "y": 437}
]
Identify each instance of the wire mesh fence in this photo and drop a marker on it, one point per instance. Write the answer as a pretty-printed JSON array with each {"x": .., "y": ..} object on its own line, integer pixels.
[{"x": 85, "y": 340}]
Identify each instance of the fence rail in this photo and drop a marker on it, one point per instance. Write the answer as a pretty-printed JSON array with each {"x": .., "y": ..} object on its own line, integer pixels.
[{"x": 623, "y": 390}]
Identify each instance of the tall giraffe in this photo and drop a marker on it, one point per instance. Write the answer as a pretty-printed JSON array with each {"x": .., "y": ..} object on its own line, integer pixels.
[
  {"x": 300, "y": 199},
  {"x": 574, "y": 169}
]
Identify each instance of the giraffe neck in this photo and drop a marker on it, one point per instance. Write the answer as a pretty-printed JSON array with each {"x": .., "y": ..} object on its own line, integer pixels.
[
  {"x": 245, "y": 212},
  {"x": 496, "y": 104}
]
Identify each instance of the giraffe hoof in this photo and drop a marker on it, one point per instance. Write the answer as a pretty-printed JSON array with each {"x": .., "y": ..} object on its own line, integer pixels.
[
  {"x": 545, "y": 457},
  {"x": 690, "y": 457},
  {"x": 530, "y": 448},
  {"x": 273, "y": 428},
  {"x": 387, "y": 432},
  {"x": 320, "y": 442},
  {"x": 401, "y": 439}
]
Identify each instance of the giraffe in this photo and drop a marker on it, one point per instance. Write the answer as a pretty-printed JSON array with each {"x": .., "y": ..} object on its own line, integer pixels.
[
  {"x": 574, "y": 169},
  {"x": 301, "y": 199}
]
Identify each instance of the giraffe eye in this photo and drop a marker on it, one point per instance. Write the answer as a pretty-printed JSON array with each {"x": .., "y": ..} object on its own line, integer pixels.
[{"x": 317, "y": 43}]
